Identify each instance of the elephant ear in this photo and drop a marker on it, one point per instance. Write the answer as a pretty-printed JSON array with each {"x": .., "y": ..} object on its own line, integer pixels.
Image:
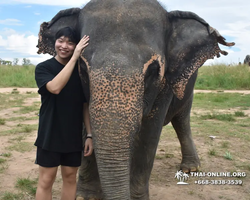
[
  {"x": 192, "y": 41},
  {"x": 64, "y": 18}
]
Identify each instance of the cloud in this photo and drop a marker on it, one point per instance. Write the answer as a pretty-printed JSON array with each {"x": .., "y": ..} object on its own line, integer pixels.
[
  {"x": 20, "y": 46},
  {"x": 11, "y": 22},
  {"x": 21, "y": 43},
  {"x": 49, "y": 2}
]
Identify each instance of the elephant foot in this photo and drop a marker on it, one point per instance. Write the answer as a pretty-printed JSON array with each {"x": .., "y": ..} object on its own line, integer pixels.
[{"x": 190, "y": 165}]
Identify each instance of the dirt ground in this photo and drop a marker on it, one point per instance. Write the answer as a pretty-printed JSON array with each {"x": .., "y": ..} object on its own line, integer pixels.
[{"x": 163, "y": 185}]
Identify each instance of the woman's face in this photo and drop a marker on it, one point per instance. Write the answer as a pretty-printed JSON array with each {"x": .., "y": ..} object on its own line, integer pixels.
[{"x": 64, "y": 48}]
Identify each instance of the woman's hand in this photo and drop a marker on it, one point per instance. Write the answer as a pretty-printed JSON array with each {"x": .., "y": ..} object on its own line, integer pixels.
[
  {"x": 88, "y": 149},
  {"x": 80, "y": 46}
]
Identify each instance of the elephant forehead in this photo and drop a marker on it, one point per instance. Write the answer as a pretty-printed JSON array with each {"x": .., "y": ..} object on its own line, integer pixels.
[{"x": 132, "y": 27}]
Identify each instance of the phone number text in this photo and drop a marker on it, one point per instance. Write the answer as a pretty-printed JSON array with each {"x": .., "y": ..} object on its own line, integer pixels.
[{"x": 219, "y": 182}]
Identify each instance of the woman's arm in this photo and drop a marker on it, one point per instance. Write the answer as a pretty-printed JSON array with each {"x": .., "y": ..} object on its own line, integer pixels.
[{"x": 88, "y": 143}]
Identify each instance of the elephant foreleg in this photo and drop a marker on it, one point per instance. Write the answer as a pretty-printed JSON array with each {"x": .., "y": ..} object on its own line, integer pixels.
[
  {"x": 145, "y": 147},
  {"x": 88, "y": 186},
  {"x": 181, "y": 124}
]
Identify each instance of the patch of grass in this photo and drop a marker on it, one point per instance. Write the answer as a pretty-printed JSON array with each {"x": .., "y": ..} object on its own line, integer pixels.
[
  {"x": 159, "y": 157},
  {"x": 21, "y": 119},
  {"x": 10, "y": 100},
  {"x": 15, "y": 91},
  {"x": 18, "y": 139},
  {"x": 2, "y": 160},
  {"x": 21, "y": 128},
  {"x": 223, "y": 77},
  {"x": 2, "y": 121},
  {"x": 27, "y": 129},
  {"x": 228, "y": 156},
  {"x": 13, "y": 100},
  {"x": 6, "y": 155},
  {"x": 28, "y": 109},
  {"x": 21, "y": 147},
  {"x": 27, "y": 185},
  {"x": 239, "y": 114},
  {"x": 169, "y": 155},
  {"x": 191, "y": 192},
  {"x": 212, "y": 152},
  {"x": 12, "y": 196},
  {"x": 244, "y": 125},
  {"x": 3, "y": 167},
  {"x": 221, "y": 117},
  {"x": 213, "y": 101},
  {"x": 17, "y": 76},
  {"x": 243, "y": 166},
  {"x": 225, "y": 144}
]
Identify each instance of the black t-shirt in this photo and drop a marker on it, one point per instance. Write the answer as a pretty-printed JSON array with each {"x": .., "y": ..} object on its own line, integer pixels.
[{"x": 60, "y": 116}]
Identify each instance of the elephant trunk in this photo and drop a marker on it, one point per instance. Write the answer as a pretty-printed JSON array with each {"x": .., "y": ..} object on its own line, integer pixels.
[
  {"x": 113, "y": 158},
  {"x": 115, "y": 114}
]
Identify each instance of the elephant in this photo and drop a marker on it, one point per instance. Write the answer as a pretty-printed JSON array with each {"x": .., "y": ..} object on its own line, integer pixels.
[
  {"x": 138, "y": 74},
  {"x": 247, "y": 60}
]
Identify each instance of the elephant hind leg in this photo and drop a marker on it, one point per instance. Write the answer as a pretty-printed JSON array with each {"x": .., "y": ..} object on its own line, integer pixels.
[{"x": 181, "y": 124}]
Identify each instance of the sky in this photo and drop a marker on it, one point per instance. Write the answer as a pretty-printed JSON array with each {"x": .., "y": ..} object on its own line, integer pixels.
[{"x": 20, "y": 22}]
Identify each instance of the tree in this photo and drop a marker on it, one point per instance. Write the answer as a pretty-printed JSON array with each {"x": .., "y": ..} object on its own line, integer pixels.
[
  {"x": 15, "y": 61},
  {"x": 5, "y": 62},
  {"x": 26, "y": 62}
]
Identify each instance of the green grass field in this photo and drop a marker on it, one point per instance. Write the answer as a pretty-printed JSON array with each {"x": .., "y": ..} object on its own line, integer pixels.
[
  {"x": 223, "y": 77},
  {"x": 216, "y": 77},
  {"x": 17, "y": 76}
]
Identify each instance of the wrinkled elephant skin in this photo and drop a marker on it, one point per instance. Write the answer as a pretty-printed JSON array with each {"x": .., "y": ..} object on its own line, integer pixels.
[{"x": 138, "y": 74}]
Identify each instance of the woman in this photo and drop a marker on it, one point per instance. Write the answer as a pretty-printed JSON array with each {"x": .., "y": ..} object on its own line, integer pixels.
[{"x": 63, "y": 109}]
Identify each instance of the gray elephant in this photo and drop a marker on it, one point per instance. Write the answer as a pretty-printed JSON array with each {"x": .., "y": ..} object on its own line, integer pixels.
[
  {"x": 138, "y": 74},
  {"x": 247, "y": 60}
]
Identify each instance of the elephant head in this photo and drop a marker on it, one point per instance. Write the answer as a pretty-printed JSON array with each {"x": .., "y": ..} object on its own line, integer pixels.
[{"x": 138, "y": 54}]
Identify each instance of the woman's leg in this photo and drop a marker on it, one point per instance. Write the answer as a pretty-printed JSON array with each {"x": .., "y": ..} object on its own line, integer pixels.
[
  {"x": 69, "y": 182},
  {"x": 46, "y": 179}
]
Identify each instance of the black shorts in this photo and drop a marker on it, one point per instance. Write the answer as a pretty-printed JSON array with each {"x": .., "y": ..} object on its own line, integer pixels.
[{"x": 46, "y": 158}]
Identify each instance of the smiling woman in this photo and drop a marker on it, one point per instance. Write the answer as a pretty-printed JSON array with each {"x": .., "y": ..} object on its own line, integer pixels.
[{"x": 63, "y": 109}]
